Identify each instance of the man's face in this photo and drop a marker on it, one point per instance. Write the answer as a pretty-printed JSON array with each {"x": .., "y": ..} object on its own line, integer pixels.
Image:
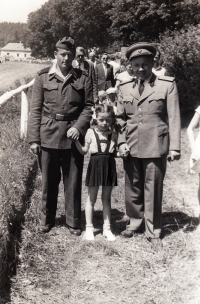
[
  {"x": 92, "y": 57},
  {"x": 142, "y": 66},
  {"x": 80, "y": 57},
  {"x": 104, "y": 59},
  {"x": 64, "y": 59}
]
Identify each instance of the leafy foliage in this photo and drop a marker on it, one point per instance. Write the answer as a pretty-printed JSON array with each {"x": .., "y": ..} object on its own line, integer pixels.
[
  {"x": 12, "y": 32},
  {"x": 180, "y": 51},
  {"x": 135, "y": 20},
  {"x": 85, "y": 21}
]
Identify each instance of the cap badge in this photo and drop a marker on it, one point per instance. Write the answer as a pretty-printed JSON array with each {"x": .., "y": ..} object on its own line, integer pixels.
[{"x": 139, "y": 51}]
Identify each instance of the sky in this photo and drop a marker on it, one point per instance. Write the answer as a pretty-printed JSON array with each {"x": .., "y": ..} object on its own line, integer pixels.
[{"x": 18, "y": 10}]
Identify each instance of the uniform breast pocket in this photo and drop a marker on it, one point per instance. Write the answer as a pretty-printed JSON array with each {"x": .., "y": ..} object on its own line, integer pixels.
[
  {"x": 129, "y": 105},
  {"x": 76, "y": 93},
  {"x": 50, "y": 92},
  {"x": 157, "y": 103}
]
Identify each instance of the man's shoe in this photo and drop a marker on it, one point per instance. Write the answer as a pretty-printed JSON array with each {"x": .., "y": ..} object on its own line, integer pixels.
[
  {"x": 156, "y": 243},
  {"x": 74, "y": 231},
  {"x": 46, "y": 228},
  {"x": 129, "y": 233}
]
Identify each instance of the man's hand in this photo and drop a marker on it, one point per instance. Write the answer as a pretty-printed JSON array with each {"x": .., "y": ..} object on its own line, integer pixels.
[
  {"x": 124, "y": 150},
  {"x": 173, "y": 155},
  {"x": 73, "y": 134},
  {"x": 35, "y": 148}
]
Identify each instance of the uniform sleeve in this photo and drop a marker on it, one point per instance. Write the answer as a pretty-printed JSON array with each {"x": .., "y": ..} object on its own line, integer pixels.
[
  {"x": 121, "y": 120},
  {"x": 35, "y": 111},
  {"x": 174, "y": 119},
  {"x": 85, "y": 116}
]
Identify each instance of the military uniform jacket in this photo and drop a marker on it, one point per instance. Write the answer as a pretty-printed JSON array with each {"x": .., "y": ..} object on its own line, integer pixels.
[
  {"x": 150, "y": 123},
  {"x": 52, "y": 95}
]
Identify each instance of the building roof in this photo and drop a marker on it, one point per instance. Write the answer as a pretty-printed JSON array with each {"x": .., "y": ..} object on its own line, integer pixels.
[{"x": 15, "y": 47}]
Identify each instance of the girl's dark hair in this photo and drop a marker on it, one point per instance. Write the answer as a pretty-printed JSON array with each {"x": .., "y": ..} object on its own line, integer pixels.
[{"x": 105, "y": 108}]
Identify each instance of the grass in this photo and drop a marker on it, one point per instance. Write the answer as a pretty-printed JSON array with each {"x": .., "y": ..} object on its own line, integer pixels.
[
  {"x": 61, "y": 268},
  {"x": 11, "y": 72},
  {"x": 18, "y": 169}
]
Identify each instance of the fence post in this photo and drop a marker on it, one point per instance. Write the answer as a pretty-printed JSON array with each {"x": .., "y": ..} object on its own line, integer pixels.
[{"x": 24, "y": 115}]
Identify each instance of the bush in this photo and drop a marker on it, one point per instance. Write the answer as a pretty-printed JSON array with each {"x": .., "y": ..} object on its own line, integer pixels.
[{"x": 180, "y": 50}]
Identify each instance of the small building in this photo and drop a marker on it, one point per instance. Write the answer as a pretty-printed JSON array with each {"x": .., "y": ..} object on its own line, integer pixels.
[{"x": 15, "y": 51}]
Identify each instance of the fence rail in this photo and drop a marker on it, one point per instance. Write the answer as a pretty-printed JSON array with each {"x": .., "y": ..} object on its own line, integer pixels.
[{"x": 24, "y": 105}]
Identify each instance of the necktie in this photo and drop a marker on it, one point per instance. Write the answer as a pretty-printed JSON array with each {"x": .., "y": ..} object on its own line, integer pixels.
[{"x": 141, "y": 87}]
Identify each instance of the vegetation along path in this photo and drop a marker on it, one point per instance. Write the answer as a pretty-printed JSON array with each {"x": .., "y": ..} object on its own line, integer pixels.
[{"x": 60, "y": 268}]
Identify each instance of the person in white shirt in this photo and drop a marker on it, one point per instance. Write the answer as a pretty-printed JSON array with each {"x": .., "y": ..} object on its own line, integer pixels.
[{"x": 158, "y": 69}]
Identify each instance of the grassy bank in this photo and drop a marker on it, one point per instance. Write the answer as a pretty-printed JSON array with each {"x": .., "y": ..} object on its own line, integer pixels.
[
  {"x": 18, "y": 169},
  {"x": 60, "y": 268}
]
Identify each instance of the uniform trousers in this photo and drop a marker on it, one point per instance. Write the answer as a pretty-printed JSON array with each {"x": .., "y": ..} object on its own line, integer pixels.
[
  {"x": 143, "y": 193},
  {"x": 70, "y": 163}
]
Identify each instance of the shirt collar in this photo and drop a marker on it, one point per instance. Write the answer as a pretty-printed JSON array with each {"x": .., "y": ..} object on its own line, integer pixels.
[{"x": 55, "y": 70}]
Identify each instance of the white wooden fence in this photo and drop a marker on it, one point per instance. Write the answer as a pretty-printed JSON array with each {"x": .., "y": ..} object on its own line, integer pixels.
[{"x": 24, "y": 105}]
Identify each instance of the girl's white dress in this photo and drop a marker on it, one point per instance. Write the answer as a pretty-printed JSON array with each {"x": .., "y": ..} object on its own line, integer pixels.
[{"x": 196, "y": 165}]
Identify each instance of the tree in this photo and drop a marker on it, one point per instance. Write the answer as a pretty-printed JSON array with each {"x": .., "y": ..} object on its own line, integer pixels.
[
  {"x": 135, "y": 20},
  {"x": 180, "y": 51},
  {"x": 85, "y": 21}
]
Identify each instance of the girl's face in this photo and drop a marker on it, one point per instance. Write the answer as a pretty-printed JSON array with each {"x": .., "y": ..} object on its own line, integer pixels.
[
  {"x": 104, "y": 121},
  {"x": 129, "y": 68}
]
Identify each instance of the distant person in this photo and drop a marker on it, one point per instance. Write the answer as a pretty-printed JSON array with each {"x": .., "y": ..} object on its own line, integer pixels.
[
  {"x": 116, "y": 66},
  {"x": 60, "y": 113},
  {"x": 100, "y": 141},
  {"x": 194, "y": 145},
  {"x": 87, "y": 67},
  {"x": 104, "y": 74},
  {"x": 125, "y": 76},
  {"x": 158, "y": 69},
  {"x": 92, "y": 57}
]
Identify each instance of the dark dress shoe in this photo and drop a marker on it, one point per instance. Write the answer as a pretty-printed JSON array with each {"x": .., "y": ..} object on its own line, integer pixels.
[
  {"x": 128, "y": 233},
  {"x": 74, "y": 231},
  {"x": 46, "y": 228}
]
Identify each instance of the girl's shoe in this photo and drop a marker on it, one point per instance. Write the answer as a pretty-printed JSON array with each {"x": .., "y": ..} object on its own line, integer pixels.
[
  {"x": 89, "y": 233},
  {"x": 109, "y": 235}
]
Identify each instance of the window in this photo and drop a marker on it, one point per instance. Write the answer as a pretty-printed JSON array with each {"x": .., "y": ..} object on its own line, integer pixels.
[
  {"x": 17, "y": 55},
  {"x": 24, "y": 55},
  {"x": 8, "y": 54}
]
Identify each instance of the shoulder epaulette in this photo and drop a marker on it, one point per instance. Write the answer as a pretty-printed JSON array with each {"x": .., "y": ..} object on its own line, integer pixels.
[
  {"x": 43, "y": 71},
  {"x": 166, "y": 78}
]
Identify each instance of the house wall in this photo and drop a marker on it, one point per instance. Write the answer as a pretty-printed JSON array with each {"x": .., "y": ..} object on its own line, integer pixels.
[{"x": 16, "y": 55}]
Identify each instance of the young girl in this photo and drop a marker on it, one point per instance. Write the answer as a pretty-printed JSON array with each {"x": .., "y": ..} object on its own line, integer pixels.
[
  {"x": 195, "y": 146},
  {"x": 101, "y": 143}
]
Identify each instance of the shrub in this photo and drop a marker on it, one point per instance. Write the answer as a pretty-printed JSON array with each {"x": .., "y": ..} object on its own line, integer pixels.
[{"x": 180, "y": 51}]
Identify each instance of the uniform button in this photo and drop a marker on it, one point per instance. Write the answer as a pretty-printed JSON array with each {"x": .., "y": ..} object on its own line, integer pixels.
[
  {"x": 140, "y": 109},
  {"x": 140, "y": 123},
  {"x": 140, "y": 115}
]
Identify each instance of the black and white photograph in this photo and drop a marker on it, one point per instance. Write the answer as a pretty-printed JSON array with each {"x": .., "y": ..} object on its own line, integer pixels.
[{"x": 99, "y": 152}]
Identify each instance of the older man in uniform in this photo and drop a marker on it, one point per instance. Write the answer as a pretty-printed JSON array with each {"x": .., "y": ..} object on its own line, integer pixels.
[
  {"x": 60, "y": 114},
  {"x": 148, "y": 118}
]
